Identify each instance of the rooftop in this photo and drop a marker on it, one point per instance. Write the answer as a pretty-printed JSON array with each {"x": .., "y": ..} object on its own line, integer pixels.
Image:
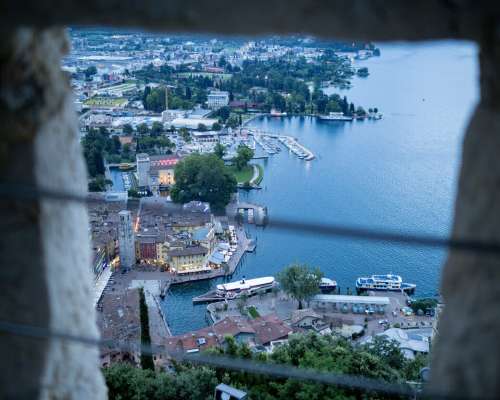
[{"x": 335, "y": 298}]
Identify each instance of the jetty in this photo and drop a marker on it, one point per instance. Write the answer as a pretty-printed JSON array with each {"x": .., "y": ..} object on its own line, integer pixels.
[
  {"x": 209, "y": 297},
  {"x": 290, "y": 142}
]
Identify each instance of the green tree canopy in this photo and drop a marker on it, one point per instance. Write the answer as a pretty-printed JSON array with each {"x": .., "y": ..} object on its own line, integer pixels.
[
  {"x": 142, "y": 129},
  {"x": 233, "y": 121},
  {"x": 184, "y": 132},
  {"x": 126, "y": 382},
  {"x": 300, "y": 282},
  {"x": 156, "y": 128},
  {"x": 127, "y": 129},
  {"x": 219, "y": 150},
  {"x": 203, "y": 177},
  {"x": 243, "y": 155}
]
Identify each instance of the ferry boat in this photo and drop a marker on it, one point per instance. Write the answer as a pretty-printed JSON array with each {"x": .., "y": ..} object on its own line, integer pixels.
[
  {"x": 327, "y": 285},
  {"x": 276, "y": 113},
  {"x": 245, "y": 286},
  {"x": 384, "y": 282},
  {"x": 335, "y": 116}
]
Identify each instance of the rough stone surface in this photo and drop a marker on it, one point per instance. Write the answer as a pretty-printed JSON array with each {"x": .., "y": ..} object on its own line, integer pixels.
[
  {"x": 353, "y": 19},
  {"x": 466, "y": 358},
  {"x": 44, "y": 279},
  {"x": 45, "y": 249}
]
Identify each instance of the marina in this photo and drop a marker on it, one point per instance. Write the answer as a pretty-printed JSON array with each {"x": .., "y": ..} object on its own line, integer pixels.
[
  {"x": 267, "y": 141},
  {"x": 365, "y": 175}
]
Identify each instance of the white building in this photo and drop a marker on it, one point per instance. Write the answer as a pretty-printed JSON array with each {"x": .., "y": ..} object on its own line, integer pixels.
[
  {"x": 170, "y": 115},
  {"x": 126, "y": 239},
  {"x": 410, "y": 341},
  {"x": 217, "y": 99},
  {"x": 193, "y": 123},
  {"x": 143, "y": 166}
]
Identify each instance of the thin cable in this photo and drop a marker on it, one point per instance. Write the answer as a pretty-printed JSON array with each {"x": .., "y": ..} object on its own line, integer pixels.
[
  {"x": 268, "y": 369},
  {"x": 30, "y": 193}
]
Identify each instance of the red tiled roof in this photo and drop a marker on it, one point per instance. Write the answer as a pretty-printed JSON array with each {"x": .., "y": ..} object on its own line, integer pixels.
[
  {"x": 232, "y": 326},
  {"x": 270, "y": 327}
]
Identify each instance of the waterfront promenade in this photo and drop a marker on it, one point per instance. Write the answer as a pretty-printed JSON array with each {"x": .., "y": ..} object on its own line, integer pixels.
[{"x": 243, "y": 245}]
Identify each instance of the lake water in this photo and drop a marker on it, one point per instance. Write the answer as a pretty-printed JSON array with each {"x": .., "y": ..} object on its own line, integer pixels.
[{"x": 398, "y": 173}]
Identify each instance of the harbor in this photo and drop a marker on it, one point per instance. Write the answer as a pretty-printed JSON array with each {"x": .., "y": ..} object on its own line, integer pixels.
[
  {"x": 348, "y": 181},
  {"x": 269, "y": 142}
]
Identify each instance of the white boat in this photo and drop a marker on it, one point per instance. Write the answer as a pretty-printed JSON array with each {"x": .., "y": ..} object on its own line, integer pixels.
[
  {"x": 327, "y": 285},
  {"x": 335, "y": 116},
  {"x": 245, "y": 286},
  {"x": 384, "y": 282},
  {"x": 276, "y": 113}
]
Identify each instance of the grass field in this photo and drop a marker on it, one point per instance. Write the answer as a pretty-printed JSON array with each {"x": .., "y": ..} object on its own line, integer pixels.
[
  {"x": 105, "y": 101},
  {"x": 244, "y": 175}
]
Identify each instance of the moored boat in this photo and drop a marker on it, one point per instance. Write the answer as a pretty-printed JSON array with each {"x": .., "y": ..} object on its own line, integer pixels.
[
  {"x": 335, "y": 116},
  {"x": 327, "y": 285},
  {"x": 384, "y": 282},
  {"x": 245, "y": 286}
]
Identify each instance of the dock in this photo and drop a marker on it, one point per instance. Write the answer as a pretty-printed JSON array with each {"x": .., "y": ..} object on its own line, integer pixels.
[
  {"x": 231, "y": 266},
  {"x": 289, "y": 142},
  {"x": 209, "y": 297}
]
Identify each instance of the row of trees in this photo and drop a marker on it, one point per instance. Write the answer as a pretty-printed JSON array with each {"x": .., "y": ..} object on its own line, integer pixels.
[{"x": 382, "y": 359}]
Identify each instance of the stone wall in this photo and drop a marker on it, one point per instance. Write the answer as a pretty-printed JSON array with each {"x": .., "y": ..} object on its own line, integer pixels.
[{"x": 45, "y": 277}]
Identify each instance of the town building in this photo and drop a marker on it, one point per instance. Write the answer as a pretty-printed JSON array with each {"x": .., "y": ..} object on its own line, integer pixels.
[
  {"x": 143, "y": 166},
  {"x": 189, "y": 259},
  {"x": 156, "y": 172},
  {"x": 410, "y": 341},
  {"x": 126, "y": 239},
  {"x": 355, "y": 304},
  {"x": 217, "y": 99},
  {"x": 260, "y": 332}
]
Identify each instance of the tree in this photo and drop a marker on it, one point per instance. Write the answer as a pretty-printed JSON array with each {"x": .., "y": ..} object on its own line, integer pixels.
[
  {"x": 92, "y": 70},
  {"x": 233, "y": 121},
  {"x": 387, "y": 350},
  {"x": 156, "y": 128},
  {"x": 126, "y": 382},
  {"x": 224, "y": 113},
  {"x": 98, "y": 184},
  {"x": 127, "y": 129},
  {"x": 142, "y": 129},
  {"x": 146, "y": 359},
  {"x": 216, "y": 126},
  {"x": 243, "y": 155},
  {"x": 203, "y": 177},
  {"x": 300, "y": 282},
  {"x": 202, "y": 127},
  {"x": 184, "y": 132},
  {"x": 220, "y": 150}
]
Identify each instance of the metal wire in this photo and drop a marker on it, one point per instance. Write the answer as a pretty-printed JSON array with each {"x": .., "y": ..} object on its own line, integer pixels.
[
  {"x": 230, "y": 363},
  {"x": 18, "y": 192}
]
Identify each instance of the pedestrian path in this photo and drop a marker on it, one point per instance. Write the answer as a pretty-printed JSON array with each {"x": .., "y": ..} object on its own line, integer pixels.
[{"x": 100, "y": 284}]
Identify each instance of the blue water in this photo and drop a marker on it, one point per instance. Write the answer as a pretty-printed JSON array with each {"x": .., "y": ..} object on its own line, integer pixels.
[
  {"x": 398, "y": 173},
  {"x": 117, "y": 178}
]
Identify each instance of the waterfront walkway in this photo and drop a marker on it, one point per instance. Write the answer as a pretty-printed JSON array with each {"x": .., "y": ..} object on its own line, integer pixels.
[
  {"x": 243, "y": 244},
  {"x": 158, "y": 326},
  {"x": 100, "y": 284}
]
